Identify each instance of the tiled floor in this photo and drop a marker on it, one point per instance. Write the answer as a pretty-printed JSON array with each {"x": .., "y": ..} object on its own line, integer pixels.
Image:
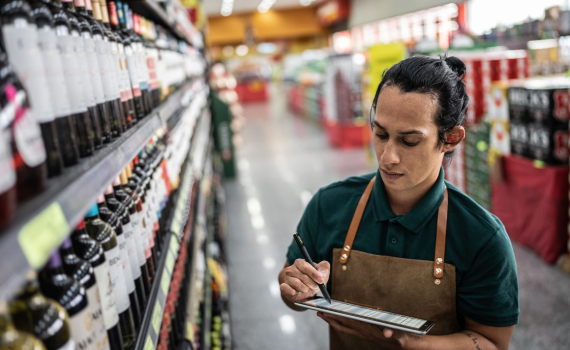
[{"x": 282, "y": 162}]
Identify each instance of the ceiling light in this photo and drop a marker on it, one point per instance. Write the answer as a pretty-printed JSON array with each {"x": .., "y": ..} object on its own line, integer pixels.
[
  {"x": 227, "y": 7},
  {"x": 242, "y": 50},
  {"x": 265, "y": 5},
  {"x": 306, "y": 2}
]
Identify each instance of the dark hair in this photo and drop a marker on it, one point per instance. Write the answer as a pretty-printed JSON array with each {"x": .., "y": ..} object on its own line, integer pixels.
[{"x": 442, "y": 77}]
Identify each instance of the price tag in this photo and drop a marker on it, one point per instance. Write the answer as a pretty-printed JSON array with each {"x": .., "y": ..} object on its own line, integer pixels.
[
  {"x": 165, "y": 282},
  {"x": 157, "y": 317},
  {"x": 148, "y": 344},
  {"x": 170, "y": 261},
  {"x": 41, "y": 235},
  {"x": 174, "y": 245}
]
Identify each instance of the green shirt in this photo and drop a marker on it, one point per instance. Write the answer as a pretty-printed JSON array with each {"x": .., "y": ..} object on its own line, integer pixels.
[{"x": 476, "y": 243}]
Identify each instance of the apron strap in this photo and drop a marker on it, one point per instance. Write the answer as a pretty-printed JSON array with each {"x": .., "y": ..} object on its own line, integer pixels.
[
  {"x": 438, "y": 262},
  {"x": 356, "y": 222}
]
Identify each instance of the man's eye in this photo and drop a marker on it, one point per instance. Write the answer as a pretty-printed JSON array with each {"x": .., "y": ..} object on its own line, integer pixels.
[
  {"x": 382, "y": 136},
  {"x": 410, "y": 144}
]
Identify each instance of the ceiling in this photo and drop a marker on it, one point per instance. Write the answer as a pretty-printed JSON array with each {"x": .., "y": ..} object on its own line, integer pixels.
[{"x": 213, "y": 7}]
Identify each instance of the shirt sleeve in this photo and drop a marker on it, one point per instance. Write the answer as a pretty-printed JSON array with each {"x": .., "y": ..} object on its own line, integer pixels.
[
  {"x": 307, "y": 230},
  {"x": 489, "y": 292}
]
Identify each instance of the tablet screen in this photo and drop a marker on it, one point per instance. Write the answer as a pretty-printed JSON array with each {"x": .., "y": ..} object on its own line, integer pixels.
[{"x": 384, "y": 316}]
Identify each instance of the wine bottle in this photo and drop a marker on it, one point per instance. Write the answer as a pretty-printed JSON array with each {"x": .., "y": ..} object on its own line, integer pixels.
[
  {"x": 124, "y": 15},
  {"x": 7, "y": 178},
  {"x": 22, "y": 132},
  {"x": 130, "y": 59},
  {"x": 108, "y": 216},
  {"x": 11, "y": 338},
  {"x": 83, "y": 272},
  {"x": 104, "y": 234},
  {"x": 143, "y": 28},
  {"x": 131, "y": 218},
  {"x": 21, "y": 44},
  {"x": 80, "y": 117},
  {"x": 65, "y": 131},
  {"x": 117, "y": 207},
  {"x": 91, "y": 251},
  {"x": 119, "y": 62},
  {"x": 70, "y": 294},
  {"x": 138, "y": 221},
  {"x": 111, "y": 92},
  {"x": 77, "y": 33},
  {"x": 32, "y": 312}
]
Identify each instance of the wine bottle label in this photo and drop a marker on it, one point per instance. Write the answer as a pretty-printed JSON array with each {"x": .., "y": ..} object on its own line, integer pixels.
[
  {"x": 110, "y": 315},
  {"x": 70, "y": 345},
  {"x": 128, "y": 231},
  {"x": 111, "y": 61},
  {"x": 54, "y": 72},
  {"x": 82, "y": 330},
  {"x": 83, "y": 68},
  {"x": 101, "y": 338},
  {"x": 137, "y": 237},
  {"x": 7, "y": 173},
  {"x": 105, "y": 69},
  {"x": 149, "y": 226},
  {"x": 126, "y": 263},
  {"x": 144, "y": 236},
  {"x": 21, "y": 42},
  {"x": 93, "y": 65},
  {"x": 118, "y": 279},
  {"x": 122, "y": 73},
  {"x": 71, "y": 70},
  {"x": 28, "y": 135},
  {"x": 133, "y": 73},
  {"x": 144, "y": 68}
]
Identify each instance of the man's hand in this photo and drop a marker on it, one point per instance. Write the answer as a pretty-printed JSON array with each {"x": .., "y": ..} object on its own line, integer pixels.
[
  {"x": 299, "y": 281},
  {"x": 385, "y": 337}
]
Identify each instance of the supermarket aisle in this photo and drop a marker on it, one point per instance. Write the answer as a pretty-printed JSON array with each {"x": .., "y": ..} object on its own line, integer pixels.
[{"x": 283, "y": 161}]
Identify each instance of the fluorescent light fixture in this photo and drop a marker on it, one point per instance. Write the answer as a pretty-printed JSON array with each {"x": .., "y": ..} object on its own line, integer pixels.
[
  {"x": 227, "y": 7},
  {"x": 242, "y": 50},
  {"x": 266, "y": 48},
  {"x": 265, "y": 5},
  {"x": 358, "y": 59},
  {"x": 287, "y": 323},
  {"x": 542, "y": 44},
  {"x": 306, "y": 2}
]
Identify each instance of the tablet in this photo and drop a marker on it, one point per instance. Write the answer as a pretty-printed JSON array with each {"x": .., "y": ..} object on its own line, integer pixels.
[{"x": 368, "y": 315}]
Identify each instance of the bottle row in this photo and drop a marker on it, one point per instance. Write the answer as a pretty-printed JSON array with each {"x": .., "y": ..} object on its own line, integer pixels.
[
  {"x": 74, "y": 75},
  {"x": 92, "y": 293}
]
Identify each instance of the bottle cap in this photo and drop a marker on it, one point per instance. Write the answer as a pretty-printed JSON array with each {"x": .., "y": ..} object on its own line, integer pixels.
[
  {"x": 54, "y": 260},
  {"x": 88, "y": 5},
  {"x": 124, "y": 178},
  {"x": 94, "y": 211},
  {"x": 109, "y": 189},
  {"x": 117, "y": 181},
  {"x": 67, "y": 242},
  {"x": 101, "y": 198},
  {"x": 80, "y": 225}
]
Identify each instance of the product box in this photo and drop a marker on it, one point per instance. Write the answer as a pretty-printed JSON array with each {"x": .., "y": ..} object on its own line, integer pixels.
[{"x": 539, "y": 112}]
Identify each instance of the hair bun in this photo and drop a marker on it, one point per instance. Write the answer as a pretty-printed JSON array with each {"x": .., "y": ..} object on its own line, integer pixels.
[{"x": 456, "y": 65}]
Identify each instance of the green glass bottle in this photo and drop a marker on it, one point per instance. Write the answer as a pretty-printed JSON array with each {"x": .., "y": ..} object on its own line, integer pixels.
[
  {"x": 32, "y": 312},
  {"x": 104, "y": 234},
  {"x": 13, "y": 339}
]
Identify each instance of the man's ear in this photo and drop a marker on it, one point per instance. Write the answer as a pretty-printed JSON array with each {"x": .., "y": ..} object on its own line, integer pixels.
[{"x": 454, "y": 138}]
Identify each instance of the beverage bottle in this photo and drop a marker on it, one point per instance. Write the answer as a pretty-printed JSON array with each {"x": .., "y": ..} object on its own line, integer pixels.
[
  {"x": 106, "y": 236},
  {"x": 134, "y": 222},
  {"x": 83, "y": 272},
  {"x": 32, "y": 312},
  {"x": 13, "y": 339},
  {"x": 108, "y": 216},
  {"x": 70, "y": 294},
  {"x": 142, "y": 286},
  {"x": 91, "y": 251}
]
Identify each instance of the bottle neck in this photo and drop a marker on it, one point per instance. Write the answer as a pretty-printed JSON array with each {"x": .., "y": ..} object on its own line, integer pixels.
[
  {"x": 68, "y": 4},
  {"x": 89, "y": 7},
  {"x": 113, "y": 17}
]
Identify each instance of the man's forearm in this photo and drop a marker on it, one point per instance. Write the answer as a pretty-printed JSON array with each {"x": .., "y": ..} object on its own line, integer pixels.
[{"x": 465, "y": 340}]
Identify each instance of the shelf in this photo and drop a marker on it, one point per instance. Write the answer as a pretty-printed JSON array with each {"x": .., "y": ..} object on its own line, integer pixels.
[
  {"x": 152, "y": 10},
  {"x": 43, "y": 222},
  {"x": 147, "y": 338}
]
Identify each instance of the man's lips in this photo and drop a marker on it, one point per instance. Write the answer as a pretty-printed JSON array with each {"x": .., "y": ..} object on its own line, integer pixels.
[{"x": 390, "y": 175}]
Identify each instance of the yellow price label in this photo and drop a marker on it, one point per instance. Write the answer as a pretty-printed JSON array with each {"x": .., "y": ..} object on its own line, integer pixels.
[
  {"x": 148, "y": 345},
  {"x": 157, "y": 317},
  {"x": 170, "y": 261},
  {"x": 41, "y": 235},
  {"x": 174, "y": 244},
  {"x": 165, "y": 282}
]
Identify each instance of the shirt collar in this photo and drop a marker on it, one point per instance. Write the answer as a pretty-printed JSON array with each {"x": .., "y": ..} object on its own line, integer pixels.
[{"x": 416, "y": 219}]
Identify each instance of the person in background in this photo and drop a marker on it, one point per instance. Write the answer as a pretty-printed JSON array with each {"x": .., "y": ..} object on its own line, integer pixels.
[{"x": 403, "y": 238}]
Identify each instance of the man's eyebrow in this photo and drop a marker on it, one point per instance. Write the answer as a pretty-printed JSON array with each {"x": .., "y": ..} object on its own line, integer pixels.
[{"x": 409, "y": 132}]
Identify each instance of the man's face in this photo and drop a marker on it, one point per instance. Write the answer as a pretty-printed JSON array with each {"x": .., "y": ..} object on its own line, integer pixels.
[{"x": 406, "y": 138}]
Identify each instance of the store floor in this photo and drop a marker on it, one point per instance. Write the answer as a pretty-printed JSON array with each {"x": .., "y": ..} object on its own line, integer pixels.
[{"x": 282, "y": 162}]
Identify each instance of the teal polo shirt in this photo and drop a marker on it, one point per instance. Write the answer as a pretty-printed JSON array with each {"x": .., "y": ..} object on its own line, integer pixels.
[{"x": 476, "y": 243}]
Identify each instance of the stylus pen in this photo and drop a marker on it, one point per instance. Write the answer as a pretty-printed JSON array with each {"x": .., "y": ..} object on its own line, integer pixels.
[{"x": 322, "y": 287}]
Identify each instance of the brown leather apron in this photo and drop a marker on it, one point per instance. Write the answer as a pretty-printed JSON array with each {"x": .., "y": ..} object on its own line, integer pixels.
[{"x": 418, "y": 288}]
